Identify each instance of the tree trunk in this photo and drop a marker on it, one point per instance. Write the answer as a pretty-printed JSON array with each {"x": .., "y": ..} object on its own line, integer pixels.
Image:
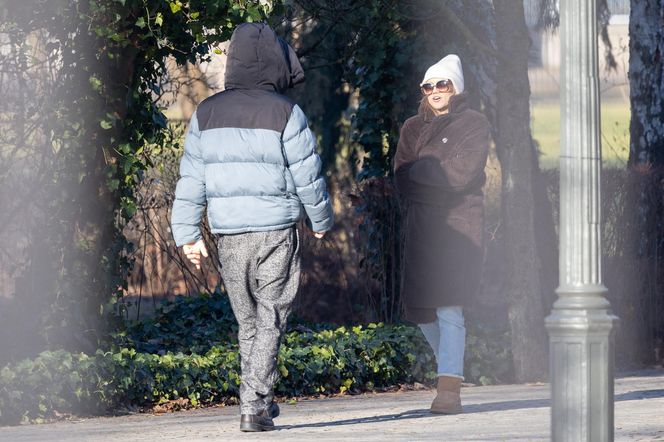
[
  {"x": 646, "y": 79},
  {"x": 517, "y": 156},
  {"x": 646, "y": 160}
]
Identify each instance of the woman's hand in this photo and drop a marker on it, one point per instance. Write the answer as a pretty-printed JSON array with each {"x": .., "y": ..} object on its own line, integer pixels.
[{"x": 194, "y": 251}]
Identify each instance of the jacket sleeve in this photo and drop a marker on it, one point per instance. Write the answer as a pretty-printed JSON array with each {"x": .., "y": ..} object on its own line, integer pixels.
[
  {"x": 190, "y": 190},
  {"x": 304, "y": 165},
  {"x": 462, "y": 170}
]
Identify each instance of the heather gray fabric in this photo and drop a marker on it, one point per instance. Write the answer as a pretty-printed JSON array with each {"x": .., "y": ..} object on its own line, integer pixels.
[
  {"x": 261, "y": 273},
  {"x": 249, "y": 154}
]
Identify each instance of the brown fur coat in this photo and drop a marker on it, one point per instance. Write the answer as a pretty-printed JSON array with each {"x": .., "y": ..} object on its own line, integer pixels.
[{"x": 439, "y": 170}]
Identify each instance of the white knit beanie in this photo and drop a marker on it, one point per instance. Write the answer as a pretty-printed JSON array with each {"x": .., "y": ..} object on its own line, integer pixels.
[{"x": 448, "y": 67}]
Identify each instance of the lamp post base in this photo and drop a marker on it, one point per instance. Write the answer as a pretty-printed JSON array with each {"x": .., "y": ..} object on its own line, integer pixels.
[{"x": 581, "y": 372}]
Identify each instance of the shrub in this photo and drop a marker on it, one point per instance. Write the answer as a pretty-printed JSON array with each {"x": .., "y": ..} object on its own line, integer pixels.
[
  {"x": 188, "y": 353},
  {"x": 187, "y": 324},
  {"x": 488, "y": 358},
  {"x": 327, "y": 361}
]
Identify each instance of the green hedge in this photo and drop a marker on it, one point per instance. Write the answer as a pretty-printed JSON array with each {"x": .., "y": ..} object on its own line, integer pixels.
[
  {"x": 327, "y": 361},
  {"x": 188, "y": 352},
  {"x": 187, "y": 324}
]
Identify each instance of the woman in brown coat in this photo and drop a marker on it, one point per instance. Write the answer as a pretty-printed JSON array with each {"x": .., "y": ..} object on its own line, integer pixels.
[{"x": 439, "y": 168}]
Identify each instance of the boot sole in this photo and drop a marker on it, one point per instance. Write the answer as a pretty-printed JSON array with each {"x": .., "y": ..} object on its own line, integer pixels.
[{"x": 254, "y": 428}]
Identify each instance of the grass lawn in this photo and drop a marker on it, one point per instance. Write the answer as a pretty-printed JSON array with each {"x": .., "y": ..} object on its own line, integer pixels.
[{"x": 545, "y": 116}]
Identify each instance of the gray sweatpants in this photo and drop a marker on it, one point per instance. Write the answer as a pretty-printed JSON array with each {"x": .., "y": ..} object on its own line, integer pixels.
[{"x": 261, "y": 272}]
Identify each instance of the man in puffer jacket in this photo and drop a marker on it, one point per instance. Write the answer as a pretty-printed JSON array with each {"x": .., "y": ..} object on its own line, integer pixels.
[{"x": 250, "y": 156}]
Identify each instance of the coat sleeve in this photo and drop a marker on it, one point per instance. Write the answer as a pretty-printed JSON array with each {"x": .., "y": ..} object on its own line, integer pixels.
[
  {"x": 190, "y": 190},
  {"x": 405, "y": 154},
  {"x": 405, "y": 159},
  {"x": 462, "y": 170},
  {"x": 304, "y": 165}
]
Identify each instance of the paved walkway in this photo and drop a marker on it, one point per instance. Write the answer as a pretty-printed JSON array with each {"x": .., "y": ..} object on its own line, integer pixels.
[{"x": 495, "y": 413}]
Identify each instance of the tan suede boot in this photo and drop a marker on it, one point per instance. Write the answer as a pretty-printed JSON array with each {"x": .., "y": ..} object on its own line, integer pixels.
[{"x": 448, "y": 397}]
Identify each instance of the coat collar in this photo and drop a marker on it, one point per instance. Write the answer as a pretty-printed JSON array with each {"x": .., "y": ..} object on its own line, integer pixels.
[{"x": 458, "y": 103}]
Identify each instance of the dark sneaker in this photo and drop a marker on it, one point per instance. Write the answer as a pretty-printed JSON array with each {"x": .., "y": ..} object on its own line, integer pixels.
[
  {"x": 273, "y": 410},
  {"x": 256, "y": 422}
]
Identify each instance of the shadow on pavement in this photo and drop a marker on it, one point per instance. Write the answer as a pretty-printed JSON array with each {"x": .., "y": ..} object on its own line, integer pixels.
[
  {"x": 505, "y": 405},
  {"x": 468, "y": 409},
  {"x": 424, "y": 413},
  {"x": 411, "y": 414},
  {"x": 647, "y": 373},
  {"x": 639, "y": 394}
]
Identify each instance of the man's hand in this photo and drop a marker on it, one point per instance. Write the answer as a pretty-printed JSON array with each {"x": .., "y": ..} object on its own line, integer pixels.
[
  {"x": 319, "y": 235},
  {"x": 194, "y": 251}
]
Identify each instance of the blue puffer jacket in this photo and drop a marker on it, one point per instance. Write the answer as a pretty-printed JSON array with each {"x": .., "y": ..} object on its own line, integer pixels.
[{"x": 249, "y": 153}]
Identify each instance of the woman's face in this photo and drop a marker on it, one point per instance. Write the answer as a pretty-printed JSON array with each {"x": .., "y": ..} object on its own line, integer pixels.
[{"x": 439, "y": 98}]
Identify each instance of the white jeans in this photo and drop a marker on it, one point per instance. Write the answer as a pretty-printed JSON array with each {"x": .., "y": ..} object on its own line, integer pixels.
[{"x": 447, "y": 338}]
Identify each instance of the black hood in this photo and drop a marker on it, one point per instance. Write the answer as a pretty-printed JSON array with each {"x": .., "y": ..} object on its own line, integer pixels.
[{"x": 259, "y": 59}]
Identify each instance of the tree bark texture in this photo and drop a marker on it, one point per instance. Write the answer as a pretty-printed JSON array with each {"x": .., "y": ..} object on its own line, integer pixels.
[
  {"x": 517, "y": 156},
  {"x": 645, "y": 211},
  {"x": 646, "y": 79}
]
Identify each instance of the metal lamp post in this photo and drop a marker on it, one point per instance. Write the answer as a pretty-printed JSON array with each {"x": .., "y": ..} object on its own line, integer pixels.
[{"x": 580, "y": 325}]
